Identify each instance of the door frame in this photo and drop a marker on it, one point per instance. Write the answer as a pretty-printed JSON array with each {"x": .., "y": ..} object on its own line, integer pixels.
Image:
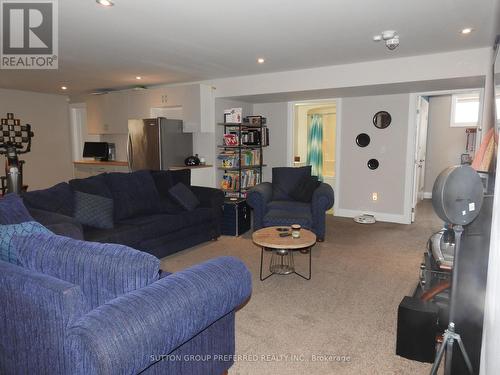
[
  {"x": 412, "y": 140},
  {"x": 290, "y": 138}
]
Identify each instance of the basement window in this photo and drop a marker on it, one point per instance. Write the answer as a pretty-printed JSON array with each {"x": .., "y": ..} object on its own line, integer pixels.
[{"x": 465, "y": 109}]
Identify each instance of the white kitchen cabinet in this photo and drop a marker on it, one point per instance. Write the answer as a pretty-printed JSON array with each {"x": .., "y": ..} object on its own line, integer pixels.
[
  {"x": 107, "y": 113},
  {"x": 198, "y": 109},
  {"x": 95, "y": 114}
]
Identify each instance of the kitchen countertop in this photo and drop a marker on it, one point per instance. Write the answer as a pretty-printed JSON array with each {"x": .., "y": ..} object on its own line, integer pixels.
[
  {"x": 98, "y": 162},
  {"x": 177, "y": 167}
]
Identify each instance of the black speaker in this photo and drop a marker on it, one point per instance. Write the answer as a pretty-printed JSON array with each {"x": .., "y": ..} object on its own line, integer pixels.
[{"x": 417, "y": 329}]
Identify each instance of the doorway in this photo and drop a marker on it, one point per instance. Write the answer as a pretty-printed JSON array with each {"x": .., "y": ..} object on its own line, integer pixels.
[
  {"x": 315, "y": 138},
  {"x": 447, "y": 133}
]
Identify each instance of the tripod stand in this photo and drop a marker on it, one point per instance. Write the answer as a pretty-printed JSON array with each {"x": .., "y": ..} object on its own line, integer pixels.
[
  {"x": 15, "y": 139},
  {"x": 450, "y": 336}
]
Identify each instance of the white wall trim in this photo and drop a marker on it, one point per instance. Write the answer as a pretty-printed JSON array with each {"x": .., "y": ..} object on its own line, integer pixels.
[
  {"x": 379, "y": 216},
  {"x": 291, "y": 140},
  {"x": 338, "y": 153},
  {"x": 410, "y": 157}
]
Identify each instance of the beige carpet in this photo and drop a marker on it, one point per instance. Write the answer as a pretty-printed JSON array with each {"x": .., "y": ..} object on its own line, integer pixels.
[{"x": 343, "y": 321}]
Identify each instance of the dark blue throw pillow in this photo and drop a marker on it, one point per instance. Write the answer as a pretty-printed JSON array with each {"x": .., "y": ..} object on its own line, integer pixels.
[
  {"x": 133, "y": 194},
  {"x": 58, "y": 199},
  {"x": 92, "y": 185},
  {"x": 93, "y": 210},
  {"x": 285, "y": 179},
  {"x": 184, "y": 196},
  {"x": 12, "y": 210},
  {"x": 304, "y": 190}
]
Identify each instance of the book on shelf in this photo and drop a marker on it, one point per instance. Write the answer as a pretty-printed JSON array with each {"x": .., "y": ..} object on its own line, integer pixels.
[
  {"x": 231, "y": 158},
  {"x": 231, "y": 180},
  {"x": 231, "y": 139},
  {"x": 250, "y": 157}
]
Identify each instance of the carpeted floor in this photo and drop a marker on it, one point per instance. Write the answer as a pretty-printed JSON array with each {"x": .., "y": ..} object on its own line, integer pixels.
[{"x": 342, "y": 321}]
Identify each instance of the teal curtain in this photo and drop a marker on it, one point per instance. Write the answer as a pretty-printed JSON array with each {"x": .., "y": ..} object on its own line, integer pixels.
[{"x": 315, "y": 146}]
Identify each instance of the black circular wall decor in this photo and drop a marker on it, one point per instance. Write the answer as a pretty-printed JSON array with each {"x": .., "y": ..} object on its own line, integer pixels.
[
  {"x": 363, "y": 140},
  {"x": 382, "y": 119},
  {"x": 373, "y": 164}
]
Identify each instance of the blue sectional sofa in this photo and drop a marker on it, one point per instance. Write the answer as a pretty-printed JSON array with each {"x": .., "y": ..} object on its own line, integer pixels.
[
  {"x": 144, "y": 215},
  {"x": 81, "y": 308}
]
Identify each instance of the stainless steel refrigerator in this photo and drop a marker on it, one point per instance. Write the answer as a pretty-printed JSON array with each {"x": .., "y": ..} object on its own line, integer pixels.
[{"x": 157, "y": 143}]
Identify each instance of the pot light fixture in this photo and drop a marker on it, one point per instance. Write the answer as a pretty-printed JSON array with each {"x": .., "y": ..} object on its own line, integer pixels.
[
  {"x": 261, "y": 60},
  {"x": 105, "y": 3},
  {"x": 390, "y": 37},
  {"x": 466, "y": 31},
  {"x": 64, "y": 88},
  {"x": 138, "y": 78}
]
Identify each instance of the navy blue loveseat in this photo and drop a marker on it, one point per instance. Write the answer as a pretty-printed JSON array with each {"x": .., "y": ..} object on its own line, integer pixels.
[{"x": 145, "y": 217}]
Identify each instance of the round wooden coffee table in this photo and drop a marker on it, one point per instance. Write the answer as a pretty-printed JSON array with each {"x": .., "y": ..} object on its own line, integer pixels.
[{"x": 282, "y": 262}]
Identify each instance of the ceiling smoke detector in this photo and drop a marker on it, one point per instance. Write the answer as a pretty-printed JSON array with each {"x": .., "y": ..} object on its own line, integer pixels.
[{"x": 390, "y": 37}]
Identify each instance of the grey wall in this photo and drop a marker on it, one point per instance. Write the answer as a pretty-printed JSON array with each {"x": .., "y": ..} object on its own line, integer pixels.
[
  {"x": 389, "y": 146},
  {"x": 49, "y": 161},
  {"x": 444, "y": 143},
  {"x": 274, "y": 155}
]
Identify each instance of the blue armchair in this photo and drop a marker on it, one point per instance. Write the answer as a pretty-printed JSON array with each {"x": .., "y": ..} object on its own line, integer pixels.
[
  {"x": 273, "y": 205},
  {"x": 182, "y": 323}
]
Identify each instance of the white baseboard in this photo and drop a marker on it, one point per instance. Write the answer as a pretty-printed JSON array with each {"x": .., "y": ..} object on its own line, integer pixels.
[
  {"x": 379, "y": 216},
  {"x": 428, "y": 195}
]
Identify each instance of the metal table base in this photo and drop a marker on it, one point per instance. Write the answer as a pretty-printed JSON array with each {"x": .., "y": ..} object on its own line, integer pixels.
[{"x": 282, "y": 263}]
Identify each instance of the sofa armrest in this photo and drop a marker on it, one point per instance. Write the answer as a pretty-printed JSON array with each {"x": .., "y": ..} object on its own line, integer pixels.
[
  {"x": 36, "y": 310},
  {"x": 258, "y": 198},
  {"x": 209, "y": 197},
  {"x": 322, "y": 201},
  {"x": 323, "y": 198},
  {"x": 58, "y": 223},
  {"x": 213, "y": 199},
  {"x": 124, "y": 335}
]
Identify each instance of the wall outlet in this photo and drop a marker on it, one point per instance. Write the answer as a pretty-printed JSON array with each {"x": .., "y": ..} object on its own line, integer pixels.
[{"x": 375, "y": 196}]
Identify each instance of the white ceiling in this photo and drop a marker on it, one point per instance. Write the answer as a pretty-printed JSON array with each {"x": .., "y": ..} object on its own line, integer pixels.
[{"x": 187, "y": 40}]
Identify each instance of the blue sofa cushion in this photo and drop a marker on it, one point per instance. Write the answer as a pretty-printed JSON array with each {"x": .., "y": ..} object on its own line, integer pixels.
[
  {"x": 12, "y": 210},
  {"x": 58, "y": 198},
  {"x": 103, "y": 271},
  {"x": 304, "y": 190},
  {"x": 181, "y": 175},
  {"x": 164, "y": 182},
  {"x": 92, "y": 185},
  {"x": 285, "y": 179},
  {"x": 277, "y": 217},
  {"x": 133, "y": 194},
  {"x": 93, "y": 210},
  {"x": 8, "y": 250},
  {"x": 290, "y": 206},
  {"x": 184, "y": 196}
]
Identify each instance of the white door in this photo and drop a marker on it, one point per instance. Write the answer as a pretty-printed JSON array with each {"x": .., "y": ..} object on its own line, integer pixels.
[{"x": 420, "y": 150}]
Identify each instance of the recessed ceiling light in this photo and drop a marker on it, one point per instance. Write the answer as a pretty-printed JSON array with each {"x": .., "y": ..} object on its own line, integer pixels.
[
  {"x": 64, "y": 88},
  {"x": 138, "y": 77},
  {"x": 105, "y": 3},
  {"x": 466, "y": 31},
  {"x": 260, "y": 60}
]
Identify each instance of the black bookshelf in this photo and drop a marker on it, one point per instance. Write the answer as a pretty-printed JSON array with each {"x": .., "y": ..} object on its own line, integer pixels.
[{"x": 238, "y": 129}]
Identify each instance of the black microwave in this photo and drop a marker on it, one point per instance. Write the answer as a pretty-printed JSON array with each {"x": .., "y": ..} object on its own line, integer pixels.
[{"x": 96, "y": 150}]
